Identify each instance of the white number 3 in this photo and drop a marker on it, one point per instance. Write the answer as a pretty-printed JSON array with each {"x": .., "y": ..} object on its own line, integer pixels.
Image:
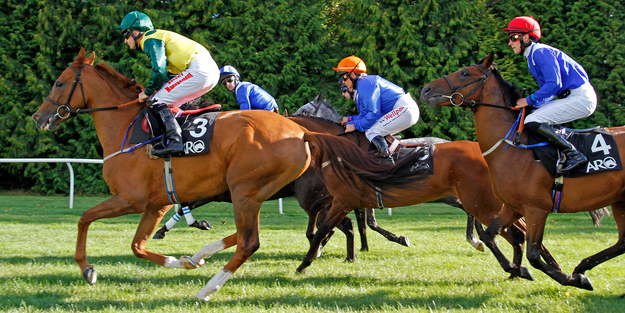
[{"x": 200, "y": 128}]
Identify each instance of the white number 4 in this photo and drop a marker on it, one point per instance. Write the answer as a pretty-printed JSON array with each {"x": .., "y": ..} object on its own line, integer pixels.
[{"x": 600, "y": 145}]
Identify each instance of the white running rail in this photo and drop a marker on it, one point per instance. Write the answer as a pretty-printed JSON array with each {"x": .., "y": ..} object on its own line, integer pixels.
[{"x": 58, "y": 160}]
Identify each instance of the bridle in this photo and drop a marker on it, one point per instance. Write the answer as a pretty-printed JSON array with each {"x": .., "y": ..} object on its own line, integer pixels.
[
  {"x": 68, "y": 108},
  {"x": 472, "y": 103}
]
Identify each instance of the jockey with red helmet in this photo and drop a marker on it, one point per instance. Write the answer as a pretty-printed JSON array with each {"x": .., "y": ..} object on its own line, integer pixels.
[
  {"x": 384, "y": 108},
  {"x": 558, "y": 76}
]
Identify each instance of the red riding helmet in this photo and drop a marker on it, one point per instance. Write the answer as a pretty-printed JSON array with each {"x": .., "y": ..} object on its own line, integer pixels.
[{"x": 525, "y": 25}]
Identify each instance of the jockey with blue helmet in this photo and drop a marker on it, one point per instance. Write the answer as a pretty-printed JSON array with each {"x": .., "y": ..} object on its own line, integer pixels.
[{"x": 249, "y": 96}]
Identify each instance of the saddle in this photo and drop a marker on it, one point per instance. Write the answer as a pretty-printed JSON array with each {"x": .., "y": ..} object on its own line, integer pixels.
[
  {"x": 421, "y": 147},
  {"x": 196, "y": 122},
  {"x": 596, "y": 144}
]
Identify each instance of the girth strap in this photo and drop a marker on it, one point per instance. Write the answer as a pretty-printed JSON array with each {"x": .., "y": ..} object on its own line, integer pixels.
[{"x": 556, "y": 193}]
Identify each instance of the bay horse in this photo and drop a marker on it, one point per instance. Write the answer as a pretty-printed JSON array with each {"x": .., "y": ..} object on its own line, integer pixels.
[
  {"x": 246, "y": 156},
  {"x": 524, "y": 185},
  {"x": 459, "y": 171}
]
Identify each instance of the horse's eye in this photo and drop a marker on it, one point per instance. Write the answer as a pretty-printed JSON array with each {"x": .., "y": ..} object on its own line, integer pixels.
[
  {"x": 465, "y": 73},
  {"x": 59, "y": 84}
]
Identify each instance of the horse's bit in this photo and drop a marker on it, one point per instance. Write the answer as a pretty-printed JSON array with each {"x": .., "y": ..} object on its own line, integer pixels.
[{"x": 472, "y": 103}]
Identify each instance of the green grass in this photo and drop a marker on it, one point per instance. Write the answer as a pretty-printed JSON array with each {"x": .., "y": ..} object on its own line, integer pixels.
[{"x": 440, "y": 272}]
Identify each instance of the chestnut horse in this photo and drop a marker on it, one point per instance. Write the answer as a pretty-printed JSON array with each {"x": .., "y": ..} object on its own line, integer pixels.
[
  {"x": 459, "y": 171},
  {"x": 524, "y": 185},
  {"x": 246, "y": 157}
]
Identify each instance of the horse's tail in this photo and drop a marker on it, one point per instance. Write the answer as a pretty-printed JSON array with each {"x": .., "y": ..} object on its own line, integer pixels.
[{"x": 352, "y": 165}]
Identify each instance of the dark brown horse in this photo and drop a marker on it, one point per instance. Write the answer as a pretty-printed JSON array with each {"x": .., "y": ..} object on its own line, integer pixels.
[
  {"x": 246, "y": 157},
  {"x": 524, "y": 185},
  {"x": 459, "y": 171}
]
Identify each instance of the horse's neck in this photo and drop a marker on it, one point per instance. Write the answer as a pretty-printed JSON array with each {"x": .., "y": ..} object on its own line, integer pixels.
[{"x": 111, "y": 125}]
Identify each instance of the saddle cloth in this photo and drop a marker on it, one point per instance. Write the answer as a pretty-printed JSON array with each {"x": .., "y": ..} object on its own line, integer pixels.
[
  {"x": 424, "y": 162},
  {"x": 196, "y": 130},
  {"x": 597, "y": 145}
]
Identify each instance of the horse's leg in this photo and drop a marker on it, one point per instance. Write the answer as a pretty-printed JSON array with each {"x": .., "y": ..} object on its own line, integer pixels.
[
  {"x": 173, "y": 220},
  {"x": 113, "y": 207},
  {"x": 361, "y": 216},
  {"x": 544, "y": 253},
  {"x": 347, "y": 227},
  {"x": 336, "y": 214},
  {"x": 246, "y": 215},
  {"x": 476, "y": 243},
  {"x": 535, "y": 219},
  {"x": 373, "y": 224},
  {"x": 618, "y": 210},
  {"x": 212, "y": 248},
  {"x": 505, "y": 218},
  {"x": 147, "y": 225}
]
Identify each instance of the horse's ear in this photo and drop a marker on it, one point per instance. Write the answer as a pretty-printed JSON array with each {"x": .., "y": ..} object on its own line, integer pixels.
[
  {"x": 489, "y": 60},
  {"x": 286, "y": 113},
  {"x": 90, "y": 59},
  {"x": 320, "y": 96},
  {"x": 81, "y": 54}
]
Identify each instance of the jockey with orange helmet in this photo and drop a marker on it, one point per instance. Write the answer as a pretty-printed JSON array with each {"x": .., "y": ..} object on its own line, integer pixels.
[
  {"x": 384, "y": 108},
  {"x": 170, "y": 54},
  {"x": 557, "y": 75}
]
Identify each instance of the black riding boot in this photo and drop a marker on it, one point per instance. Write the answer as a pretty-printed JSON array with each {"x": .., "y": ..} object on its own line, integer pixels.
[
  {"x": 573, "y": 157},
  {"x": 173, "y": 133},
  {"x": 380, "y": 144}
]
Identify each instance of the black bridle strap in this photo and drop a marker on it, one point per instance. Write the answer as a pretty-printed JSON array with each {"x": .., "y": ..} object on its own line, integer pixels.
[
  {"x": 68, "y": 108},
  {"x": 481, "y": 83}
]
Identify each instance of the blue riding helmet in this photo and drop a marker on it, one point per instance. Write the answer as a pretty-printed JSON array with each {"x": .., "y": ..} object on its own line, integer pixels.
[{"x": 228, "y": 71}]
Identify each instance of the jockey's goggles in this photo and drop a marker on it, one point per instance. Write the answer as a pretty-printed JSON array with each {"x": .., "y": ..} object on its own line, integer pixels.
[
  {"x": 228, "y": 80},
  {"x": 126, "y": 33},
  {"x": 343, "y": 76},
  {"x": 515, "y": 37}
]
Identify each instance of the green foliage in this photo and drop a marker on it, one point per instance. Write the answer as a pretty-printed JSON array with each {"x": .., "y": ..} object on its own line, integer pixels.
[{"x": 288, "y": 47}]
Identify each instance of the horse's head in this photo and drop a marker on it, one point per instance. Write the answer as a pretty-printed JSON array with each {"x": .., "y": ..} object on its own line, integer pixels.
[
  {"x": 320, "y": 107},
  {"x": 67, "y": 94},
  {"x": 461, "y": 87}
]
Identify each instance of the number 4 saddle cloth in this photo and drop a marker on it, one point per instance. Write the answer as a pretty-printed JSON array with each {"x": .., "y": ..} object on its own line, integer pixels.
[
  {"x": 196, "y": 130},
  {"x": 596, "y": 144}
]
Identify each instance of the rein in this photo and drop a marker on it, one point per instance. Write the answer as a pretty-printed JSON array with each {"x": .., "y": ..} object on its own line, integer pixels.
[
  {"x": 472, "y": 103},
  {"x": 68, "y": 108}
]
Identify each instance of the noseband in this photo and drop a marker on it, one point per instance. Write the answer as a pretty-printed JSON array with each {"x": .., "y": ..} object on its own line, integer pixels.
[{"x": 472, "y": 103}]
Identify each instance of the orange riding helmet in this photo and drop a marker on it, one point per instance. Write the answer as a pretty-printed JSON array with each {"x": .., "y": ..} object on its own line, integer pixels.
[
  {"x": 524, "y": 25},
  {"x": 351, "y": 64}
]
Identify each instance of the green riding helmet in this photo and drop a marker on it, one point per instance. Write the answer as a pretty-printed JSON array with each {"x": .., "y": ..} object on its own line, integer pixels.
[{"x": 136, "y": 20}]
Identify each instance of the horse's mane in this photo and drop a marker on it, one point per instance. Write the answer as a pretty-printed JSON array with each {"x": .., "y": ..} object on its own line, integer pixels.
[
  {"x": 318, "y": 118},
  {"x": 511, "y": 91},
  {"x": 127, "y": 86}
]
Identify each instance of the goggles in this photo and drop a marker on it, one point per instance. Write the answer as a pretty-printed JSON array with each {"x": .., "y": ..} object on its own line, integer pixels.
[
  {"x": 515, "y": 37},
  {"x": 228, "y": 80},
  {"x": 126, "y": 33}
]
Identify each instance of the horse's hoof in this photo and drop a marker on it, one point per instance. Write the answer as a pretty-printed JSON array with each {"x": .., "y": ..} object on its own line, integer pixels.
[
  {"x": 300, "y": 270},
  {"x": 403, "y": 240},
  {"x": 581, "y": 281},
  {"x": 159, "y": 235},
  {"x": 205, "y": 225},
  {"x": 525, "y": 273},
  {"x": 189, "y": 263},
  {"x": 350, "y": 260},
  {"x": 90, "y": 275},
  {"x": 364, "y": 249}
]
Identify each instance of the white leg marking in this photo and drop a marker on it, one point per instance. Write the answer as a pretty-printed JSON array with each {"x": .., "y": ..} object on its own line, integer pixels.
[
  {"x": 214, "y": 285},
  {"x": 171, "y": 262},
  {"x": 208, "y": 251}
]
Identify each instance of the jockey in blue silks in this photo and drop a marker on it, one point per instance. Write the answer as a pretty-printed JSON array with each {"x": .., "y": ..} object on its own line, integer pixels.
[
  {"x": 384, "y": 108},
  {"x": 558, "y": 75},
  {"x": 249, "y": 96}
]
